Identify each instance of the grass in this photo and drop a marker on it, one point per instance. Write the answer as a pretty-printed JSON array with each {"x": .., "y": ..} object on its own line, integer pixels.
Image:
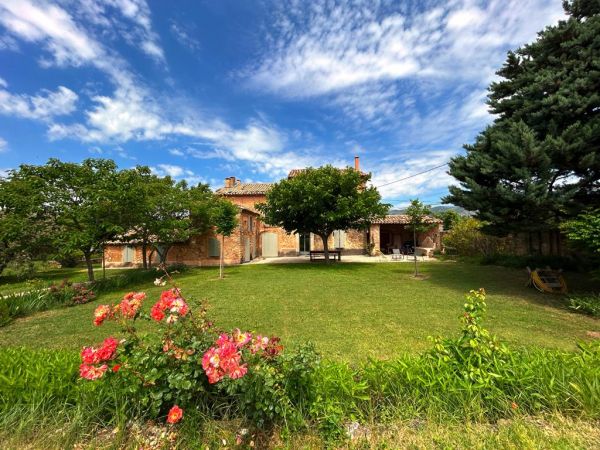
[
  {"x": 10, "y": 283},
  {"x": 350, "y": 311}
]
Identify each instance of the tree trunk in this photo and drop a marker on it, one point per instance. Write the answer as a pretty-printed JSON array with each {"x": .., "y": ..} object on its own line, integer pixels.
[
  {"x": 222, "y": 258},
  {"x": 162, "y": 251},
  {"x": 88, "y": 263},
  {"x": 2, "y": 267},
  {"x": 325, "y": 247},
  {"x": 415, "y": 250},
  {"x": 144, "y": 257}
]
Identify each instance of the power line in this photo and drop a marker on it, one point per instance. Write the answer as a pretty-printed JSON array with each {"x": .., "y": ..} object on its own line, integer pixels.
[{"x": 412, "y": 176}]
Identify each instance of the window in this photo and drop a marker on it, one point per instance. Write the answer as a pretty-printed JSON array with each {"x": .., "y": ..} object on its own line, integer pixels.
[{"x": 214, "y": 247}]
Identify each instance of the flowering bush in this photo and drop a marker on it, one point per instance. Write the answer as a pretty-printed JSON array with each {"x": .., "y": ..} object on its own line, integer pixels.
[
  {"x": 188, "y": 362},
  {"x": 70, "y": 293}
]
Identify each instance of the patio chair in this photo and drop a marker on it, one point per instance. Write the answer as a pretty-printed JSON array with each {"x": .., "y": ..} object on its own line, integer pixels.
[{"x": 396, "y": 255}]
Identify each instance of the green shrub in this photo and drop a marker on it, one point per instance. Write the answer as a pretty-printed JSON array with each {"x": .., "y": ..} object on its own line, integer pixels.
[
  {"x": 467, "y": 239},
  {"x": 132, "y": 277},
  {"x": 588, "y": 304},
  {"x": 22, "y": 304}
]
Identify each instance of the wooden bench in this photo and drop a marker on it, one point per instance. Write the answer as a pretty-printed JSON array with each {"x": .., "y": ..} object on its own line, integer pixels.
[{"x": 315, "y": 254}]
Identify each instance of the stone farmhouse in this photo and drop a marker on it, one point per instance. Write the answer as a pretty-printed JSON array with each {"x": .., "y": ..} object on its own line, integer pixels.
[{"x": 255, "y": 239}]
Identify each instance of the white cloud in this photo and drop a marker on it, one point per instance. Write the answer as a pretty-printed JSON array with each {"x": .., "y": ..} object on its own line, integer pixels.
[
  {"x": 172, "y": 170},
  {"x": 176, "y": 152},
  {"x": 136, "y": 29},
  {"x": 133, "y": 111},
  {"x": 386, "y": 172},
  {"x": 8, "y": 43},
  {"x": 51, "y": 26},
  {"x": 184, "y": 36},
  {"x": 43, "y": 106},
  {"x": 356, "y": 53},
  {"x": 178, "y": 173},
  {"x": 3, "y": 145}
]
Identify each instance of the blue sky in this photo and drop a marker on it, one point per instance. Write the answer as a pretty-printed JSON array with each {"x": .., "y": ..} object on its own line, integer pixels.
[{"x": 203, "y": 90}]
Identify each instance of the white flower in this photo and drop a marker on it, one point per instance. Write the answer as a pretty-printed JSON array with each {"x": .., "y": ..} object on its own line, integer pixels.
[{"x": 159, "y": 282}]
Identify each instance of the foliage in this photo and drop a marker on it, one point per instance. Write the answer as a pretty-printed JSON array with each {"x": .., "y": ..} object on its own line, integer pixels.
[
  {"x": 537, "y": 164},
  {"x": 476, "y": 355},
  {"x": 468, "y": 239},
  {"x": 163, "y": 211},
  {"x": 321, "y": 201},
  {"x": 26, "y": 228},
  {"x": 83, "y": 200},
  {"x": 37, "y": 297},
  {"x": 224, "y": 218},
  {"x": 69, "y": 209},
  {"x": 449, "y": 217},
  {"x": 190, "y": 365},
  {"x": 589, "y": 304},
  {"x": 584, "y": 230}
]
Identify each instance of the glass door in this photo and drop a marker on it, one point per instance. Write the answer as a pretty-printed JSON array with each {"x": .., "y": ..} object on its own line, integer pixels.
[{"x": 304, "y": 243}]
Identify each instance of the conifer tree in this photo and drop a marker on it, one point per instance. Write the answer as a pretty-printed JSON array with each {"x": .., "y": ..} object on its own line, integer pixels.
[{"x": 539, "y": 162}]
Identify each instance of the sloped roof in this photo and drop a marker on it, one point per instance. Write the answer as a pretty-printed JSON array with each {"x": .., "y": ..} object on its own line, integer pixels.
[
  {"x": 245, "y": 189},
  {"x": 295, "y": 172},
  {"x": 247, "y": 208},
  {"x": 403, "y": 219}
]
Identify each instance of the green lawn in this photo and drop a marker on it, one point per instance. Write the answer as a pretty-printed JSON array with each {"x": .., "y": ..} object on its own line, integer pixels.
[
  {"x": 348, "y": 310},
  {"x": 10, "y": 283}
]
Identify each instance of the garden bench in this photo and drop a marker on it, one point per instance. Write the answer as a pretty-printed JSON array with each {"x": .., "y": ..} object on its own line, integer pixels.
[{"x": 315, "y": 254}]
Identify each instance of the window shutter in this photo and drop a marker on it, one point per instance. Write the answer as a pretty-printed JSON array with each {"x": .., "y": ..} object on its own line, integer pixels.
[
  {"x": 339, "y": 238},
  {"x": 214, "y": 247}
]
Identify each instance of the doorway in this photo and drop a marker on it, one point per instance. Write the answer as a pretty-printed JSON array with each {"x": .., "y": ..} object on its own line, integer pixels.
[{"x": 304, "y": 243}]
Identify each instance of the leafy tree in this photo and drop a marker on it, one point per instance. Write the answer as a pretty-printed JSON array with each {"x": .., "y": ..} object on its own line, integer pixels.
[
  {"x": 538, "y": 163},
  {"x": 467, "y": 239},
  {"x": 418, "y": 214},
  {"x": 161, "y": 212},
  {"x": 26, "y": 228},
  {"x": 84, "y": 202},
  {"x": 179, "y": 212},
  {"x": 144, "y": 193},
  {"x": 225, "y": 221},
  {"x": 584, "y": 230},
  {"x": 449, "y": 217},
  {"x": 321, "y": 201}
]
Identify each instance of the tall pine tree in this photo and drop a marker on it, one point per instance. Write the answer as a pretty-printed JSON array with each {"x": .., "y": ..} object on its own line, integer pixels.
[{"x": 539, "y": 162}]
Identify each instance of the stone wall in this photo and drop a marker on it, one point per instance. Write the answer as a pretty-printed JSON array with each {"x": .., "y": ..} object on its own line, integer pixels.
[
  {"x": 195, "y": 252},
  {"x": 355, "y": 243}
]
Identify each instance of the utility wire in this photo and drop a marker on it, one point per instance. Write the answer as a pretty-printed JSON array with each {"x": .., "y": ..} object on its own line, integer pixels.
[{"x": 412, "y": 176}]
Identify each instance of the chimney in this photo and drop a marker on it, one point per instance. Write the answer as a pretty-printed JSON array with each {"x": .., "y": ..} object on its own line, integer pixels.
[
  {"x": 229, "y": 182},
  {"x": 357, "y": 163}
]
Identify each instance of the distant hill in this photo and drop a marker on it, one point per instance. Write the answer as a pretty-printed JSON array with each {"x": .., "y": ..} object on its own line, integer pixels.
[{"x": 438, "y": 209}]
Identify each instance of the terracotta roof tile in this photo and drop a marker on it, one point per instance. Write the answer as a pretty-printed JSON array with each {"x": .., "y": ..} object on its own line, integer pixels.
[
  {"x": 245, "y": 189},
  {"x": 402, "y": 219}
]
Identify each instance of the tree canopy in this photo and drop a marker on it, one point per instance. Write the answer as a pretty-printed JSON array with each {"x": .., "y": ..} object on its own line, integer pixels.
[
  {"x": 584, "y": 230},
  {"x": 61, "y": 207},
  {"x": 322, "y": 200},
  {"x": 539, "y": 163}
]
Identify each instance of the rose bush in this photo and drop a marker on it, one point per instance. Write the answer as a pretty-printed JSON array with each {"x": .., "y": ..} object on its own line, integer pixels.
[{"x": 188, "y": 363}]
